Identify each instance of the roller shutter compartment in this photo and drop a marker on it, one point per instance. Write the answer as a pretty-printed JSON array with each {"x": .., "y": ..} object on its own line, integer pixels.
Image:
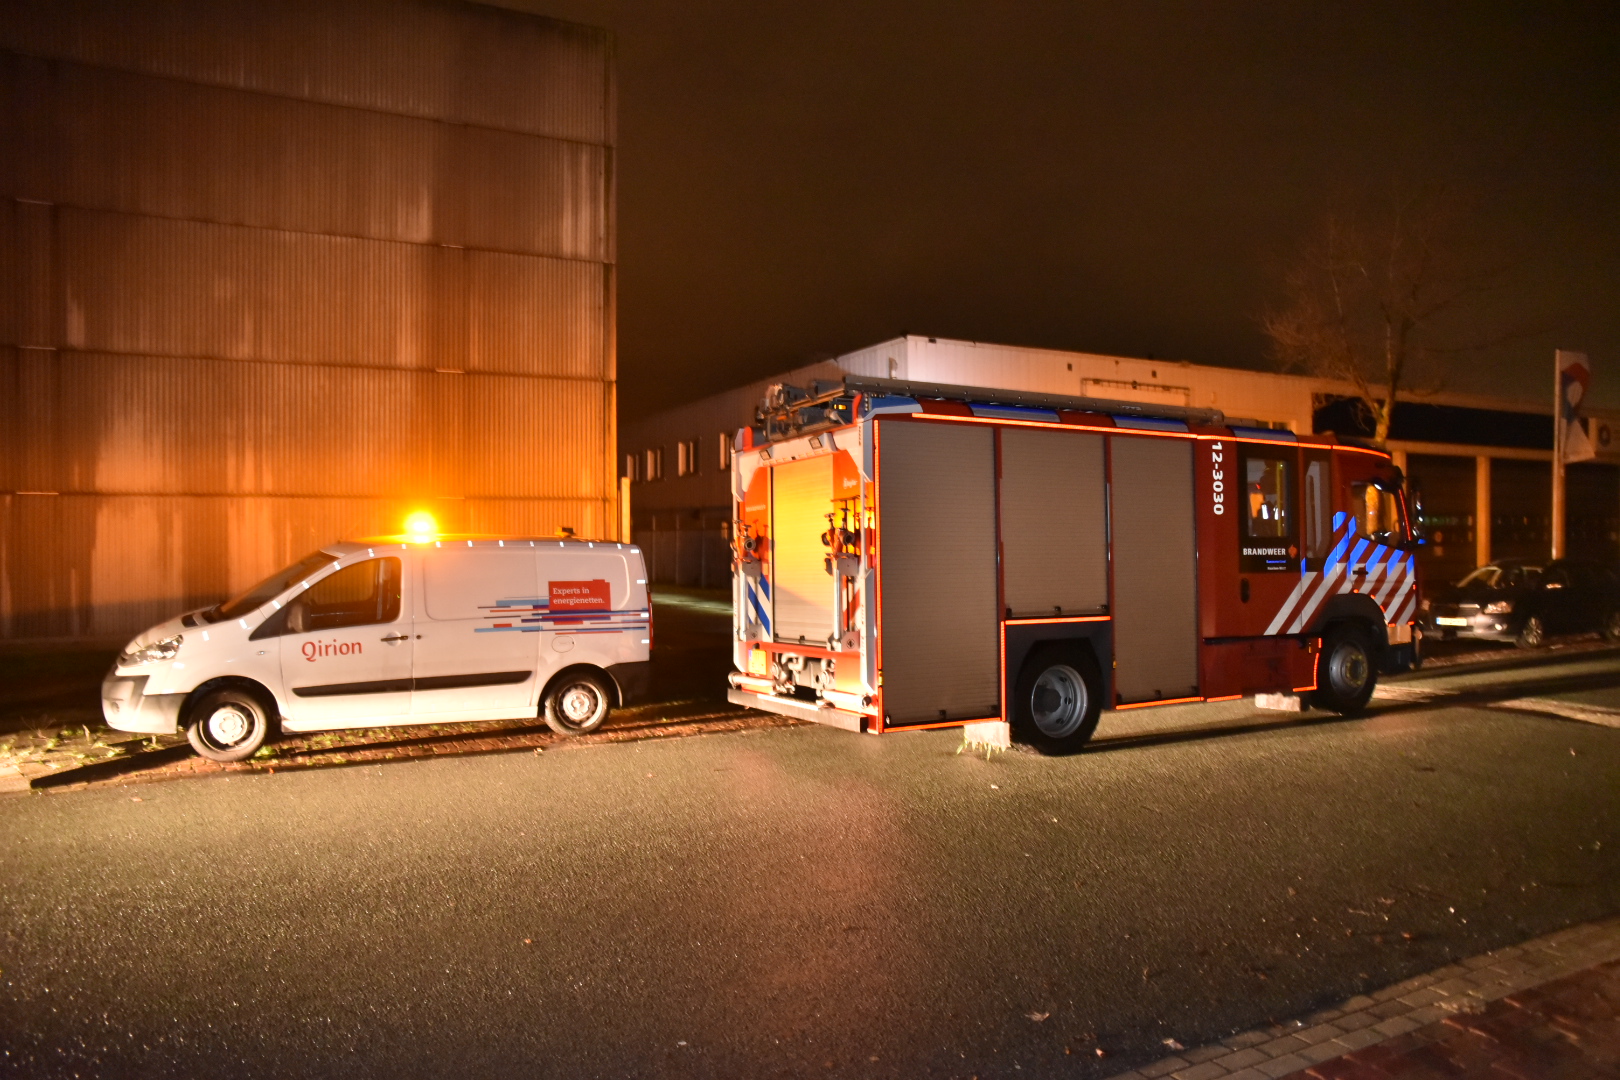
[
  {"x": 937, "y": 542},
  {"x": 801, "y": 589},
  {"x": 1054, "y": 539},
  {"x": 1155, "y": 569}
]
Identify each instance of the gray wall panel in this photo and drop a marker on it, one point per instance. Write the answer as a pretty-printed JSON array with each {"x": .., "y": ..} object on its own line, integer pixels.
[
  {"x": 1054, "y": 539},
  {"x": 134, "y": 143},
  {"x": 1155, "y": 569},
  {"x": 463, "y": 63},
  {"x": 179, "y": 288},
  {"x": 154, "y": 425},
  {"x": 105, "y": 567},
  {"x": 937, "y": 538}
]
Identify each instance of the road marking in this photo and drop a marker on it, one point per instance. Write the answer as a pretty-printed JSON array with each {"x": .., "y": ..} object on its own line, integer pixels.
[{"x": 1590, "y": 714}]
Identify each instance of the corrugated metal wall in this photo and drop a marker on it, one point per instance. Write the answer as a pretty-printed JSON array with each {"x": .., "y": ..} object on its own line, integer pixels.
[{"x": 275, "y": 274}]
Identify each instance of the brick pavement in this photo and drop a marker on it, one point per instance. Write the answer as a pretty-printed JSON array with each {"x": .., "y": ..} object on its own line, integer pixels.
[
  {"x": 1548, "y": 1008},
  {"x": 1568, "y": 1028}
]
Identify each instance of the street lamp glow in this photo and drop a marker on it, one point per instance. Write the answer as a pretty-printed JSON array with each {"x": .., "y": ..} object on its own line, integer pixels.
[{"x": 421, "y": 527}]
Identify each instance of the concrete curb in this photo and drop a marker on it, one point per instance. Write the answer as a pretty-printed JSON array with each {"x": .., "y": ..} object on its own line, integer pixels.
[
  {"x": 1368, "y": 1019},
  {"x": 1505, "y": 660}
]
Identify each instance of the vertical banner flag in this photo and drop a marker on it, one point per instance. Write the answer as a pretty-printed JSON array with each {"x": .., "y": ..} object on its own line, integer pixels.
[{"x": 1574, "y": 379}]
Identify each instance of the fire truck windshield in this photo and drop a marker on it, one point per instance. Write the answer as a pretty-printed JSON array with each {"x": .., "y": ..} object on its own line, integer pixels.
[{"x": 1378, "y": 514}]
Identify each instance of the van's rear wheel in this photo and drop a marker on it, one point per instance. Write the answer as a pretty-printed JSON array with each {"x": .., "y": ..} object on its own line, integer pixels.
[
  {"x": 577, "y": 703},
  {"x": 227, "y": 725},
  {"x": 1345, "y": 673},
  {"x": 1057, "y": 700}
]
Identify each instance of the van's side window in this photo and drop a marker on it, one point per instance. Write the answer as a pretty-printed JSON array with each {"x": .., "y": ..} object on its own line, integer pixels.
[{"x": 358, "y": 595}]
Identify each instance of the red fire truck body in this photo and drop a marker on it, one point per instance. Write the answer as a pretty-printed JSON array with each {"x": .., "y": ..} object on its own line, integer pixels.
[{"x": 914, "y": 556}]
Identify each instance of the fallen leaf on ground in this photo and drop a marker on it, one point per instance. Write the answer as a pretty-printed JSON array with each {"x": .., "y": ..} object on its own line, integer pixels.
[{"x": 1038, "y": 1016}]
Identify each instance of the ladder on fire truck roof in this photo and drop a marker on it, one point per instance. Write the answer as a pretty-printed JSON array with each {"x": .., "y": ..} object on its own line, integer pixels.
[{"x": 791, "y": 410}]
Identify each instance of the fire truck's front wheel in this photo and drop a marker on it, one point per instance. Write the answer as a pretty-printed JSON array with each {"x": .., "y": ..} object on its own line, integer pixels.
[
  {"x": 1059, "y": 697},
  {"x": 1345, "y": 674}
]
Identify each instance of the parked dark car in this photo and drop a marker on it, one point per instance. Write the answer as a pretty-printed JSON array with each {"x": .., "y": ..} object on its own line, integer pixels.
[{"x": 1526, "y": 601}]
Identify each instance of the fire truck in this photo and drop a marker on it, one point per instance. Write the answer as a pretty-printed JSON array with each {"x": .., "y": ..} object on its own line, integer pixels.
[{"x": 912, "y": 556}]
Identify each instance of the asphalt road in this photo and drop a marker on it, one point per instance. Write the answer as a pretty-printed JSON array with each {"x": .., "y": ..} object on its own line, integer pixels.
[{"x": 799, "y": 901}]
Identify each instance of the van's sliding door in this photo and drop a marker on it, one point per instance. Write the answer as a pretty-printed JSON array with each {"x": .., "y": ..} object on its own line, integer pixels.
[{"x": 469, "y": 660}]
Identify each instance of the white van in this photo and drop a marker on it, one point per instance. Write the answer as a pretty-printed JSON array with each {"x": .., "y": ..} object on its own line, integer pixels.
[{"x": 393, "y": 630}]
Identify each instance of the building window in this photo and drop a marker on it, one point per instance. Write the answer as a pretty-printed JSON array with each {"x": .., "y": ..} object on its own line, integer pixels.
[
  {"x": 655, "y": 463},
  {"x": 724, "y": 442},
  {"x": 632, "y": 467},
  {"x": 686, "y": 457}
]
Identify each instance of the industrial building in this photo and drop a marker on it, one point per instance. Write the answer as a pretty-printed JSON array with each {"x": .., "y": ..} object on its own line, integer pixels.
[
  {"x": 277, "y": 274},
  {"x": 1469, "y": 459}
]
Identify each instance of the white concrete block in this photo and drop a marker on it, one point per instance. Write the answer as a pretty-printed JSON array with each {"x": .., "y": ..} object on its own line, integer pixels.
[{"x": 993, "y": 734}]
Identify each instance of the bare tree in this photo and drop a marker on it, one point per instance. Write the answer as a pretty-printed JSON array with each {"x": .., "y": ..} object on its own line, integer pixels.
[{"x": 1382, "y": 296}]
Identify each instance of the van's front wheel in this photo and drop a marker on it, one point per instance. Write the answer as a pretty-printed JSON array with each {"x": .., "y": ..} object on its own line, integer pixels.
[
  {"x": 227, "y": 725},
  {"x": 577, "y": 703}
]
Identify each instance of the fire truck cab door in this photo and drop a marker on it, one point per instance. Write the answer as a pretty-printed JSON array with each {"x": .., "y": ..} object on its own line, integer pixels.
[
  {"x": 1269, "y": 505},
  {"x": 1267, "y": 520}
]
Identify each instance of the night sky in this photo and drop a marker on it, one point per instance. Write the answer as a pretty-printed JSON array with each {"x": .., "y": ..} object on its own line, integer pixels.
[{"x": 799, "y": 180}]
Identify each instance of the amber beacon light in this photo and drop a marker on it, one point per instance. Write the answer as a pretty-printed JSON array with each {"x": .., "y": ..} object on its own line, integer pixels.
[{"x": 420, "y": 527}]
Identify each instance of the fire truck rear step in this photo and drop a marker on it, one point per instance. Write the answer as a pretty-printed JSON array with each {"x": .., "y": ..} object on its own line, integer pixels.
[{"x": 802, "y": 710}]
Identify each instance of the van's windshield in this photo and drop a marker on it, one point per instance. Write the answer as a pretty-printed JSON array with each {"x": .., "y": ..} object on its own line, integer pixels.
[{"x": 270, "y": 588}]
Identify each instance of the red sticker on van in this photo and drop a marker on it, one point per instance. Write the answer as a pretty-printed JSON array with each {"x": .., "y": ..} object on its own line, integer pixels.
[{"x": 580, "y": 596}]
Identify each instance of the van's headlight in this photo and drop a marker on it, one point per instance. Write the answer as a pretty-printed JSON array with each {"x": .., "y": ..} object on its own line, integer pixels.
[
  {"x": 1500, "y": 607},
  {"x": 167, "y": 649}
]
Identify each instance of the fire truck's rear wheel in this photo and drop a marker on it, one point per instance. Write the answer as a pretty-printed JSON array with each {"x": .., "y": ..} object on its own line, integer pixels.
[
  {"x": 1058, "y": 700},
  {"x": 577, "y": 703},
  {"x": 1345, "y": 673}
]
